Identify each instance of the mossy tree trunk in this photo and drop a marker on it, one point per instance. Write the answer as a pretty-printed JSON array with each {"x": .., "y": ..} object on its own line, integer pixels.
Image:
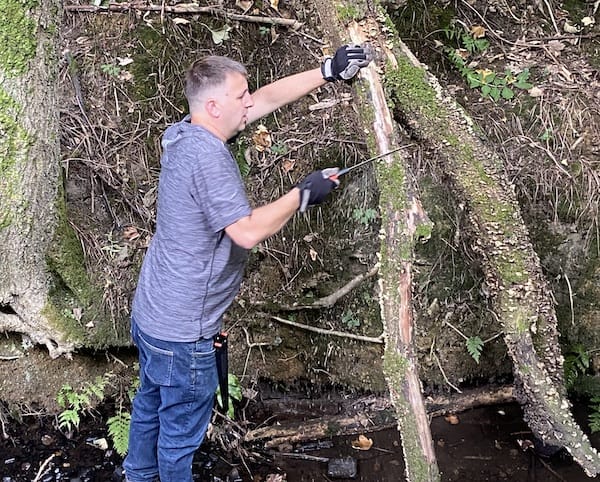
[
  {"x": 517, "y": 291},
  {"x": 29, "y": 167}
]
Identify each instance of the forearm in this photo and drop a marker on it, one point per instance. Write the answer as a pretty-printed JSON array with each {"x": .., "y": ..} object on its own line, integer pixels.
[
  {"x": 281, "y": 92},
  {"x": 264, "y": 221}
]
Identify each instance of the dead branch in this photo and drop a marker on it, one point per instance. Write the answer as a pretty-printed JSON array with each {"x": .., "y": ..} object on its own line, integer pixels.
[
  {"x": 374, "y": 415},
  {"x": 329, "y": 300},
  {"x": 342, "y": 334},
  {"x": 183, "y": 8}
]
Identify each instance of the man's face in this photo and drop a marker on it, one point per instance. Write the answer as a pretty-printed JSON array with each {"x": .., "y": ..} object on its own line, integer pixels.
[{"x": 234, "y": 104}]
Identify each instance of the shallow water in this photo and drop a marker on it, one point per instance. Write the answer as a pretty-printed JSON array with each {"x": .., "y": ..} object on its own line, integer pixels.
[{"x": 482, "y": 446}]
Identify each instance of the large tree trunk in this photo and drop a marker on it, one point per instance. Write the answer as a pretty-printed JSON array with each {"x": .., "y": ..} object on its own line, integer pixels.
[
  {"x": 29, "y": 168},
  {"x": 518, "y": 292}
]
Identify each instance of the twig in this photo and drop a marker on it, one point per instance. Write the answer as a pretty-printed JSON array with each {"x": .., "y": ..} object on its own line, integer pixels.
[
  {"x": 570, "y": 298},
  {"x": 549, "y": 7},
  {"x": 182, "y": 9},
  {"x": 432, "y": 353},
  {"x": 311, "y": 458},
  {"x": 342, "y": 334},
  {"x": 43, "y": 470},
  {"x": 5, "y": 435}
]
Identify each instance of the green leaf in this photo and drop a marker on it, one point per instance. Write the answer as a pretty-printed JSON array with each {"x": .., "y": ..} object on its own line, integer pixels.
[
  {"x": 485, "y": 90},
  {"x": 118, "y": 430},
  {"x": 235, "y": 389},
  {"x": 507, "y": 93},
  {"x": 474, "y": 80},
  {"x": 474, "y": 347},
  {"x": 522, "y": 85},
  {"x": 495, "y": 93}
]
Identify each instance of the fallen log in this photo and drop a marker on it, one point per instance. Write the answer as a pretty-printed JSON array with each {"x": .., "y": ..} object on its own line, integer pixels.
[
  {"x": 314, "y": 420},
  {"x": 518, "y": 292}
]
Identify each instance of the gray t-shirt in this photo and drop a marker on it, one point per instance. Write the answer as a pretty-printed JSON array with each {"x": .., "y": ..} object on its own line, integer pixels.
[{"x": 192, "y": 269}]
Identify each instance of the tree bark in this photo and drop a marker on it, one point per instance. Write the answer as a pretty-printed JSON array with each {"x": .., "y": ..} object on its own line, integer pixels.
[
  {"x": 518, "y": 292},
  {"x": 29, "y": 169}
]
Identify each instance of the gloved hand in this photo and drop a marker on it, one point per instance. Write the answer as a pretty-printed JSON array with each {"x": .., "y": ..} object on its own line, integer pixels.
[
  {"x": 346, "y": 62},
  {"x": 315, "y": 187}
]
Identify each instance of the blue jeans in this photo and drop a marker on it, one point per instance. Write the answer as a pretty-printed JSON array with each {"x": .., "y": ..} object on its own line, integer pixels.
[{"x": 172, "y": 408}]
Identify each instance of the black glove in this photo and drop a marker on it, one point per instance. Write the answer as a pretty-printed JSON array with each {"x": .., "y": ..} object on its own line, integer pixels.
[
  {"x": 315, "y": 187},
  {"x": 346, "y": 62}
]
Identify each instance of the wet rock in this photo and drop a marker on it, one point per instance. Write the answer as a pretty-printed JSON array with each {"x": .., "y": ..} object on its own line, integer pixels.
[
  {"x": 345, "y": 468},
  {"x": 234, "y": 476}
]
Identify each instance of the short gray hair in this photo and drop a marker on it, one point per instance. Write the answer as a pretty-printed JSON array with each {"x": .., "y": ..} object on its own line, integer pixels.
[{"x": 209, "y": 72}]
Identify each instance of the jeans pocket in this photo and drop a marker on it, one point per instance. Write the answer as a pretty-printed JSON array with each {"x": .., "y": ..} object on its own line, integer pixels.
[
  {"x": 159, "y": 362},
  {"x": 205, "y": 366}
]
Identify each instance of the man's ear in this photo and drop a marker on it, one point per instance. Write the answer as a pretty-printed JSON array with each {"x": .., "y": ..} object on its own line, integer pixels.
[{"x": 213, "y": 109}]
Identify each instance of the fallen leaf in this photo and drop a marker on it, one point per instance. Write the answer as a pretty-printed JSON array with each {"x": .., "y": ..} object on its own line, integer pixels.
[
  {"x": 245, "y": 5},
  {"x": 100, "y": 443},
  {"x": 570, "y": 28},
  {"x": 261, "y": 138},
  {"x": 180, "y": 21},
  {"x": 287, "y": 165},
  {"x": 130, "y": 233},
  {"x": 452, "y": 419},
  {"x": 536, "y": 92},
  {"x": 462, "y": 53},
  {"x": 124, "y": 61},
  {"x": 556, "y": 46},
  {"x": 477, "y": 31},
  {"x": 219, "y": 36},
  {"x": 313, "y": 254},
  {"x": 275, "y": 4},
  {"x": 362, "y": 443},
  {"x": 587, "y": 21}
]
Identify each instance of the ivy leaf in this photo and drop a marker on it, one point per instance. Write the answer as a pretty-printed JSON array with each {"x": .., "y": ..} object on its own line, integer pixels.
[{"x": 474, "y": 347}]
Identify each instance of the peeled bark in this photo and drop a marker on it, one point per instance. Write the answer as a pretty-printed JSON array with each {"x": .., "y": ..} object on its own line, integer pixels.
[
  {"x": 403, "y": 222},
  {"x": 29, "y": 168}
]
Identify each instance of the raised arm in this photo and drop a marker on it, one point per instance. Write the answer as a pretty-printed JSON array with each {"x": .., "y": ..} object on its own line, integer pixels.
[
  {"x": 283, "y": 91},
  {"x": 344, "y": 65}
]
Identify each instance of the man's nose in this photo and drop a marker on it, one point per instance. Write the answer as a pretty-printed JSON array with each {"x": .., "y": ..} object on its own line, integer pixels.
[{"x": 249, "y": 100}]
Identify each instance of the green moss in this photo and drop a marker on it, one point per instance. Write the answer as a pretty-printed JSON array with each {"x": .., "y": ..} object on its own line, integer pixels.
[
  {"x": 347, "y": 12},
  {"x": 17, "y": 36},
  {"x": 394, "y": 367},
  {"x": 71, "y": 285},
  {"x": 407, "y": 86},
  {"x": 14, "y": 146}
]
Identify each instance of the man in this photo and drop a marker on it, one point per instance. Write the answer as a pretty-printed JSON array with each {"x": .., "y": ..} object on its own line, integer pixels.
[{"x": 194, "y": 265}]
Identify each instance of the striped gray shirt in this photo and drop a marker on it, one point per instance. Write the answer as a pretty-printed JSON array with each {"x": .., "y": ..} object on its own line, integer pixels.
[{"x": 192, "y": 270}]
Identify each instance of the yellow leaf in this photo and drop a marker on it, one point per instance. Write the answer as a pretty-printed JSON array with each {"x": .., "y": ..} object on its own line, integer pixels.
[
  {"x": 275, "y": 4},
  {"x": 485, "y": 73},
  {"x": 363, "y": 443},
  {"x": 477, "y": 31}
]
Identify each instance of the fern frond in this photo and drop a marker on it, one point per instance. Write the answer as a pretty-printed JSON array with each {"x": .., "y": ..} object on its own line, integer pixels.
[
  {"x": 118, "y": 430},
  {"x": 474, "y": 347}
]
